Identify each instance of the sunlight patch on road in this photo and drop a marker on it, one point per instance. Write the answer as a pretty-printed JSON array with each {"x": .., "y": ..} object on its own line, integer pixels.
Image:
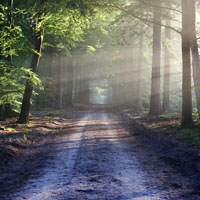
[{"x": 57, "y": 174}]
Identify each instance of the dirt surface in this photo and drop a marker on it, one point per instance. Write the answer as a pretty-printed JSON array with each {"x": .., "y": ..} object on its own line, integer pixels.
[{"x": 100, "y": 155}]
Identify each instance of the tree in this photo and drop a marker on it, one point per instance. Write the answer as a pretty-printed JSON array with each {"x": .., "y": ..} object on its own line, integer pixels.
[
  {"x": 84, "y": 87},
  {"x": 38, "y": 41},
  {"x": 187, "y": 92},
  {"x": 155, "y": 105},
  {"x": 12, "y": 73},
  {"x": 195, "y": 52},
  {"x": 59, "y": 92},
  {"x": 167, "y": 66},
  {"x": 140, "y": 67},
  {"x": 69, "y": 83},
  {"x": 50, "y": 61}
]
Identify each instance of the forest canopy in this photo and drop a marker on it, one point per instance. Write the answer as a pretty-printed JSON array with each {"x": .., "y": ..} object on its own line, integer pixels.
[{"x": 142, "y": 54}]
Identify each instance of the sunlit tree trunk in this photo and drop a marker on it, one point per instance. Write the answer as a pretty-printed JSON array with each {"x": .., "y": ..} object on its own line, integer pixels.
[
  {"x": 115, "y": 91},
  {"x": 195, "y": 53},
  {"x": 59, "y": 81},
  {"x": 187, "y": 93},
  {"x": 167, "y": 66},
  {"x": 69, "y": 83},
  {"x": 84, "y": 87},
  {"x": 140, "y": 68},
  {"x": 38, "y": 40},
  {"x": 85, "y": 97},
  {"x": 155, "y": 105}
]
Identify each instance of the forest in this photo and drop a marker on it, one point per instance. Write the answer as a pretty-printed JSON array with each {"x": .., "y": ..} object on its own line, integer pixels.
[{"x": 87, "y": 87}]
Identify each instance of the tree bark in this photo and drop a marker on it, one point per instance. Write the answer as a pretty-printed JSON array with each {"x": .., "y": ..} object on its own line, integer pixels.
[
  {"x": 155, "y": 105},
  {"x": 195, "y": 53},
  {"x": 38, "y": 40},
  {"x": 186, "y": 87},
  {"x": 115, "y": 90},
  {"x": 59, "y": 81},
  {"x": 84, "y": 88},
  {"x": 140, "y": 68},
  {"x": 167, "y": 66},
  {"x": 69, "y": 84}
]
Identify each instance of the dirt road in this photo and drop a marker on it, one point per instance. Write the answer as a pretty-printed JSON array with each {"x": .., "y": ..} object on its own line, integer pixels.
[{"x": 99, "y": 160}]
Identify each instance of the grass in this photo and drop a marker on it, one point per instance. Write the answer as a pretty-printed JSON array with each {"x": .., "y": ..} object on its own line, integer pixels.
[
  {"x": 191, "y": 134},
  {"x": 55, "y": 112}
]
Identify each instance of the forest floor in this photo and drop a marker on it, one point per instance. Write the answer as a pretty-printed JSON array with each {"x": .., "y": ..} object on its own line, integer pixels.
[{"x": 100, "y": 155}]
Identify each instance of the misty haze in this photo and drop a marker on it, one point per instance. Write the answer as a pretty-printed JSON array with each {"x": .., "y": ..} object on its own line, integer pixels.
[{"x": 99, "y": 100}]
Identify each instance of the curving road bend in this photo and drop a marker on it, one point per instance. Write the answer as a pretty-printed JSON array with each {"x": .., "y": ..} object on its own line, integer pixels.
[{"x": 98, "y": 161}]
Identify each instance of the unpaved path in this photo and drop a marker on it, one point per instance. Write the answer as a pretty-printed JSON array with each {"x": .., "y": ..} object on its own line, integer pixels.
[{"x": 100, "y": 160}]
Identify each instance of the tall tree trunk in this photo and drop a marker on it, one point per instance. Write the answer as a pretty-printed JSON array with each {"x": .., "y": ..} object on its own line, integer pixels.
[
  {"x": 155, "y": 105},
  {"x": 195, "y": 53},
  {"x": 84, "y": 87},
  {"x": 187, "y": 92},
  {"x": 140, "y": 68},
  {"x": 167, "y": 66},
  {"x": 59, "y": 81},
  {"x": 38, "y": 40},
  {"x": 115, "y": 90},
  {"x": 69, "y": 94},
  {"x": 85, "y": 94}
]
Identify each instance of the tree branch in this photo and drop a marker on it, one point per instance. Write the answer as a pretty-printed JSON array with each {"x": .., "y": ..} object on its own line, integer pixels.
[
  {"x": 145, "y": 20},
  {"x": 162, "y": 7}
]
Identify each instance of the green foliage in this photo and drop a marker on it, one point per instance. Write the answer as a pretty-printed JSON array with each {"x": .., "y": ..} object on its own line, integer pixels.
[
  {"x": 195, "y": 115},
  {"x": 12, "y": 84},
  {"x": 13, "y": 44},
  {"x": 25, "y": 137},
  {"x": 99, "y": 90}
]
